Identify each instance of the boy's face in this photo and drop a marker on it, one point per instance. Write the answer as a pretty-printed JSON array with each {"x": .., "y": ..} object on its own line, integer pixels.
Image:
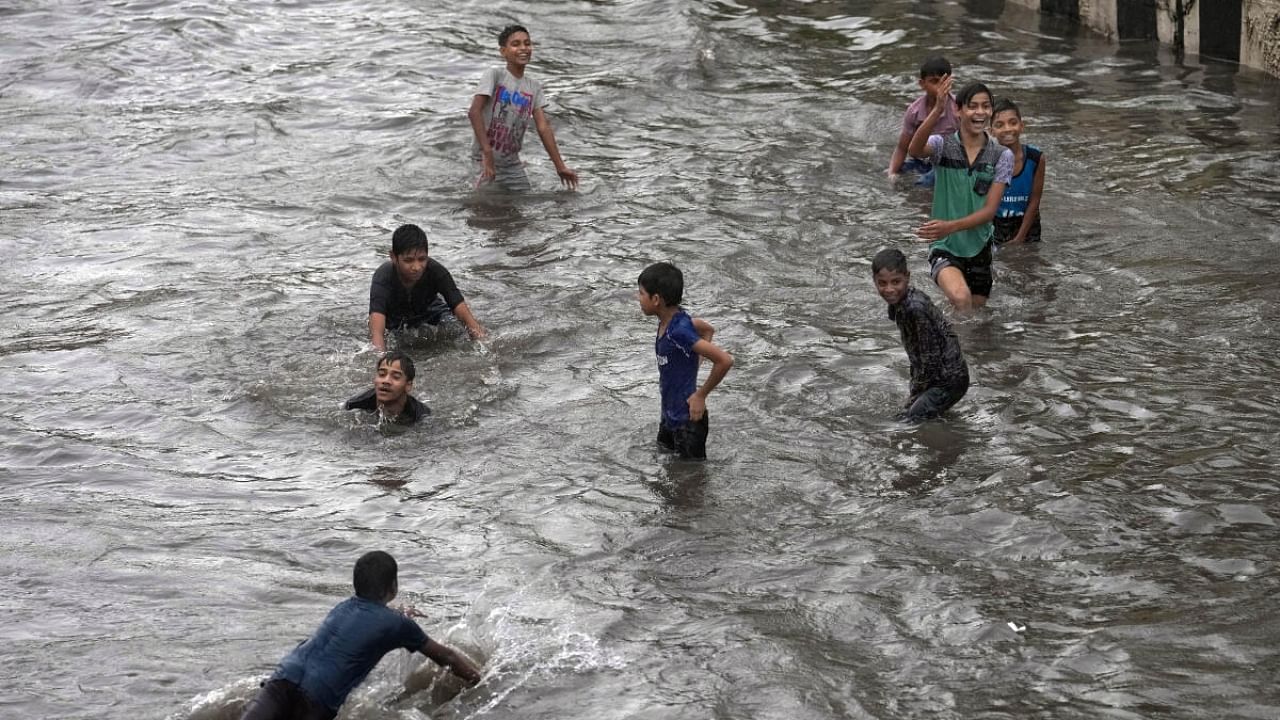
[
  {"x": 1007, "y": 127},
  {"x": 892, "y": 285},
  {"x": 390, "y": 384},
  {"x": 410, "y": 266},
  {"x": 649, "y": 304},
  {"x": 975, "y": 113},
  {"x": 518, "y": 50}
]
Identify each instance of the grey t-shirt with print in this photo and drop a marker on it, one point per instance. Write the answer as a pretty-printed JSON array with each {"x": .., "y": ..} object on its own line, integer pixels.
[{"x": 508, "y": 113}]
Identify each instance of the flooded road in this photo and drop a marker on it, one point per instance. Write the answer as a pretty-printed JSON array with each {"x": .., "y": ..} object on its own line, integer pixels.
[{"x": 195, "y": 197}]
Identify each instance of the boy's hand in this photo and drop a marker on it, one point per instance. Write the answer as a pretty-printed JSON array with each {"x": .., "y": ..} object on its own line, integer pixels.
[
  {"x": 935, "y": 230},
  {"x": 697, "y": 407},
  {"x": 487, "y": 172},
  {"x": 478, "y": 332},
  {"x": 944, "y": 91},
  {"x": 568, "y": 177},
  {"x": 410, "y": 611}
]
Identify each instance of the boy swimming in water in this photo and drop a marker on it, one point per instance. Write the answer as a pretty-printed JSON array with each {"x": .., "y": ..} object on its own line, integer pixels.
[
  {"x": 682, "y": 341},
  {"x": 314, "y": 679},
  {"x": 389, "y": 396},
  {"x": 939, "y": 375},
  {"x": 505, "y": 102}
]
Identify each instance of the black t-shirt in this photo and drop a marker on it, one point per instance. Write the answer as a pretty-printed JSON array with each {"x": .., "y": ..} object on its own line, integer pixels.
[
  {"x": 407, "y": 307},
  {"x": 414, "y": 409}
]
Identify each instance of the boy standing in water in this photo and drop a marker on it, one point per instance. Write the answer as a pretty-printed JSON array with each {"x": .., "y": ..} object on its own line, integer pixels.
[
  {"x": 972, "y": 172},
  {"x": 411, "y": 289},
  {"x": 1018, "y": 219},
  {"x": 389, "y": 396},
  {"x": 314, "y": 679},
  {"x": 939, "y": 375},
  {"x": 682, "y": 341},
  {"x": 932, "y": 71},
  {"x": 505, "y": 103}
]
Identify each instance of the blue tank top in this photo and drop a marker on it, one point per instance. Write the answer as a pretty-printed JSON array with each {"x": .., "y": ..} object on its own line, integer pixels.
[{"x": 1018, "y": 193}]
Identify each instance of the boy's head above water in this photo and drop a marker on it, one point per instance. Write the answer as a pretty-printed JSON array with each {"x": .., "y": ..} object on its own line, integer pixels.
[
  {"x": 1006, "y": 122},
  {"x": 932, "y": 71},
  {"x": 934, "y": 66},
  {"x": 515, "y": 46},
  {"x": 660, "y": 283},
  {"x": 374, "y": 577},
  {"x": 890, "y": 274}
]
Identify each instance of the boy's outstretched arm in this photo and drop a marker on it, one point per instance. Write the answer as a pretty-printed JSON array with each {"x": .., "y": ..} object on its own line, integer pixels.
[
  {"x": 378, "y": 331},
  {"x": 476, "y": 115},
  {"x": 899, "y": 156},
  {"x": 919, "y": 147},
  {"x": 938, "y": 229},
  {"x": 452, "y": 659},
  {"x": 548, "y": 137},
  {"x": 463, "y": 313},
  {"x": 721, "y": 361}
]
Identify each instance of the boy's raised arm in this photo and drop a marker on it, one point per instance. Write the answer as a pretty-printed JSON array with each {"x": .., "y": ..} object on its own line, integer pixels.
[
  {"x": 452, "y": 659},
  {"x": 548, "y": 137},
  {"x": 919, "y": 147}
]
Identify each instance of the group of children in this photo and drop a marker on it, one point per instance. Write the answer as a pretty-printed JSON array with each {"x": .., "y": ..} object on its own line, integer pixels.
[{"x": 986, "y": 192}]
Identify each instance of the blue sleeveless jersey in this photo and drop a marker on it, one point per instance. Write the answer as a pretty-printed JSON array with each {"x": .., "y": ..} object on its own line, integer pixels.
[{"x": 1018, "y": 193}]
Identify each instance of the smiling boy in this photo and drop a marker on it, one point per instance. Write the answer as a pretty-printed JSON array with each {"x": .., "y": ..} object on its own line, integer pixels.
[
  {"x": 939, "y": 374},
  {"x": 389, "y": 396},
  {"x": 412, "y": 289},
  {"x": 973, "y": 170},
  {"x": 504, "y": 104}
]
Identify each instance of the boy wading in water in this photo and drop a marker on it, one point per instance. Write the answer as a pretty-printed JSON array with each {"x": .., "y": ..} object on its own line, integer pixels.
[
  {"x": 1018, "y": 219},
  {"x": 972, "y": 172},
  {"x": 682, "y": 341},
  {"x": 505, "y": 102},
  {"x": 939, "y": 375}
]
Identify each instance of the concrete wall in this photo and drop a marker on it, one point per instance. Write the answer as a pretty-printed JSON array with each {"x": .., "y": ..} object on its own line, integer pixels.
[{"x": 1207, "y": 26}]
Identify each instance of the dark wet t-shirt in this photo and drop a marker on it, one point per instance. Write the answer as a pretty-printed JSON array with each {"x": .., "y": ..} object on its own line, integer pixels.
[
  {"x": 408, "y": 307},
  {"x": 414, "y": 409},
  {"x": 346, "y": 646}
]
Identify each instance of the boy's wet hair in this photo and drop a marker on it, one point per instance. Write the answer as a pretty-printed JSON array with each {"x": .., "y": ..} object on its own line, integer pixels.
[
  {"x": 970, "y": 91},
  {"x": 400, "y": 356},
  {"x": 934, "y": 66},
  {"x": 406, "y": 238},
  {"x": 664, "y": 280},
  {"x": 890, "y": 259},
  {"x": 1004, "y": 105},
  {"x": 508, "y": 31},
  {"x": 375, "y": 576}
]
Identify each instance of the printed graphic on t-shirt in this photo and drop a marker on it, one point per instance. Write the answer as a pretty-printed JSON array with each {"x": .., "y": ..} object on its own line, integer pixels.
[{"x": 506, "y": 131}]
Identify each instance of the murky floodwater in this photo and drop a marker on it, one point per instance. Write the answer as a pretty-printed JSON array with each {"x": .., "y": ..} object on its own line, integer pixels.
[{"x": 195, "y": 195}]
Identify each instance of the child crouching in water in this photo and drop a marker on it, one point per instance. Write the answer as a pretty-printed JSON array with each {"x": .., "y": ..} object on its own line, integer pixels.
[
  {"x": 314, "y": 679},
  {"x": 939, "y": 375}
]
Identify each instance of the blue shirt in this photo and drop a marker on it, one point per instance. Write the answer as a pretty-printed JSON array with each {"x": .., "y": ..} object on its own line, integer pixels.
[
  {"x": 346, "y": 646},
  {"x": 1018, "y": 193},
  {"x": 677, "y": 368}
]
